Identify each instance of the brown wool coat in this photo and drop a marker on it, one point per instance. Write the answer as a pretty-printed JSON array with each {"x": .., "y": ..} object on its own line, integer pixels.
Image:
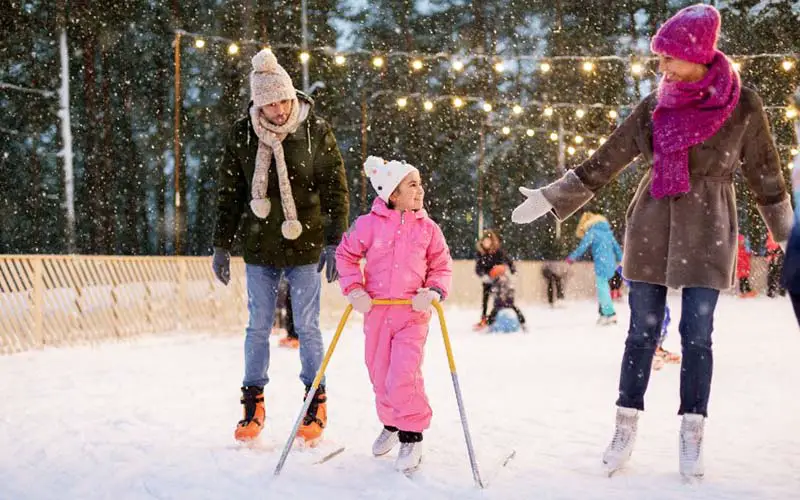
[{"x": 688, "y": 240}]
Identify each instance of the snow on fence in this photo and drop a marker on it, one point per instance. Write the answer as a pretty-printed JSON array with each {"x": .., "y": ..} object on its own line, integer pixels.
[{"x": 48, "y": 300}]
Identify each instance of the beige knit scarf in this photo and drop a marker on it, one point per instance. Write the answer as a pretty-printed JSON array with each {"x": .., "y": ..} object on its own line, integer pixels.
[{"x": 270, "y": 143}]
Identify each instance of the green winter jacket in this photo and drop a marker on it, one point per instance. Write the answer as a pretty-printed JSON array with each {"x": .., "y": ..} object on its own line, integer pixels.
[{"x": 319, "y": 188}]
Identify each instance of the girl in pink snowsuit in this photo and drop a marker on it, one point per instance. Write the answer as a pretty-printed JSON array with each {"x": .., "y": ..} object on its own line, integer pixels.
[{"x": 406, "y": 258}]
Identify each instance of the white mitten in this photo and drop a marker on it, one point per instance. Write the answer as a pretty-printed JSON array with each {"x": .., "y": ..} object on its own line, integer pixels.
[
  {"x": 422, "y": 301},
  {"x": 531, "y": 209},
  {"x": 360, "y": 300}
]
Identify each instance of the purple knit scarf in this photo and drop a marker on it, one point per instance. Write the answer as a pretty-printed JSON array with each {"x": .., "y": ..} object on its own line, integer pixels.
[{"x": 688, "y": 114}]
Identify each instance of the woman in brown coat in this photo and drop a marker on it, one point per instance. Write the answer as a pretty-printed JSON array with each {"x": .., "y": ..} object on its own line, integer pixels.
[{"x": 681, "y": 226}]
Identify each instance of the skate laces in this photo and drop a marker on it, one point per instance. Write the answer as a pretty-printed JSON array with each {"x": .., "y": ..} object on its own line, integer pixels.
[
  {"x": 250, "y": 401},
  {"x": 623, "y": 432},
  {"x": 405, "y": 449},
  {"x": 691, "y": 439}
]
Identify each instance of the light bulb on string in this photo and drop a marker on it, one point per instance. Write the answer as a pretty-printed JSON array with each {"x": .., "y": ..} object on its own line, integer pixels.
[
  {"x": 499, "y": 66},
  {"x": 578, "y": 139},
  {"x": 571, "y": 150},
  {"x": 637, "y": 69},
  {"x": 457, "y": 65},
  {"x": 517, "y": 109},
  {"x": 601, "y": 141},
  {"x": 487, "y": 107},
  {"x": 233, "y": 49},
  {"x": 794, "y": 151},
  {"x": 458, "y": 102},
  {"x": 545, "y": 67},
  {"x": 613, "y": 114},
  {"x": 588, "y": 66},
  {"x": 416, "y": 65},
  {"x": 580, "y": 113},
  {"x": 199, "y": 43},
  {"x": 548, "y": 111},
  {"x": 791, "y": 113},
  {"x": 553, "y": 136},
  {"x": 787, "y": 64},
  {"x": 340, "y": 60},
  {"x": 427, "y": 105},
  {"x": 304, "y": 57},
  {"x": 402, "y": 102},
  {"x": 530, "y": 132},
  {"x": 590, "y": 152},
  {"x": 377, "y": 61},
  {"x": 737, "y": 66},
  {"x": 506, "y": 130}
]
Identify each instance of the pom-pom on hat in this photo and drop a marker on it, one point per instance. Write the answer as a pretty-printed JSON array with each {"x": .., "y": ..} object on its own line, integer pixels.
[
  {"x": 385, "y": 176},
  {"x": 690, "y": 35},
  {"x": 269, "y": 82}
]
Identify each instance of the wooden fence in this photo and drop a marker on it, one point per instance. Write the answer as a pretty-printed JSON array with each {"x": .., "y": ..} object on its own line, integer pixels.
[{"x": 71, "y": 299}]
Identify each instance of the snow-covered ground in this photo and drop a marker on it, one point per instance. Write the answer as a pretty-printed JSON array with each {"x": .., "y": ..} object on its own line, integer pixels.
[{"x": 153, "y": 418}]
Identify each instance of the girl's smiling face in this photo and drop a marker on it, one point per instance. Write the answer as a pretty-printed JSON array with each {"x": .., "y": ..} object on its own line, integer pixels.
[{"x": 409, "y": 194}]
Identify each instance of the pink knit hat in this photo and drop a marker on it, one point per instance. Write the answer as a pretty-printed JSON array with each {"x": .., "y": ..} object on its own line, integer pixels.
[{"x": 690, "y": 35}]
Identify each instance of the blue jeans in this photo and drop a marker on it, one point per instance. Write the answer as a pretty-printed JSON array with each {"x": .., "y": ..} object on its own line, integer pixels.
[
  {"x": 604, "y": 296},
  {"x": 262, "y": 292},
  {"x": 647, "y": 303}
]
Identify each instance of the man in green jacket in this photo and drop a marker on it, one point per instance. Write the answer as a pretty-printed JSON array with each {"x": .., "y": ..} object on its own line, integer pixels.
[{"x": 283, "y": 174}]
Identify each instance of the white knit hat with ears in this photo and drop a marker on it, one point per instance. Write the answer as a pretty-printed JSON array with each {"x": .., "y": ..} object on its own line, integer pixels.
[
  {"x": 385, "y": 176},
  {"x": 269, "y": 82}
]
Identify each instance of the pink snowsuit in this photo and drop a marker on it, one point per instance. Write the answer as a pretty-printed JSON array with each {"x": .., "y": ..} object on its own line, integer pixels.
[{"x": 404, "y": 251}]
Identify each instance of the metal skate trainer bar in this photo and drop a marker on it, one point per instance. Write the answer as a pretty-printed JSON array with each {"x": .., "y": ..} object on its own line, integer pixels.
[{"x": 454, "y": 375}]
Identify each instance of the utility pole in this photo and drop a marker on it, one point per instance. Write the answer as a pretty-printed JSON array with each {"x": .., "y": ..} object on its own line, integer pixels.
[
  {"x": 562, "y": 169},
  {"x": 304, "y": 43},
  {"x": 66, "y": 130}
]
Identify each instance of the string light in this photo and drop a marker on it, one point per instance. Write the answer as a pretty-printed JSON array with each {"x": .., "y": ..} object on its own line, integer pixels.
[
  {"x": 530, "y": 132},
  {"x": 233, "y": 49},
  {"x": 402, "y": 102},
  {"x": 545, "y": 67},
  {"x": 517, "y": 109},
  {"x": 416, "y": 65},
  {"x": 737, "y": 66},
  {"x": 590, "y": 152},
  {"x": 580, "y": 113},
  {"x": 377, "y": 61},
  {"x": 506, "y": 130},
  {"x": 199, "y": 43},
  {"x": 457, "y": 65},
  {"x": 637, "y": 69},
  {"x": 791, "y": 113},
  {"x": 499, "y": 67},
  {"x": 487, "y": 107},
  {"x": 428, "y": 105},
  {"x": 458, "y": 102},
  {"x": 553, "y": 136},
  {"x": 787, "y": 65},
  {"x": 304, "y": 57},
  {"x": 578, "y": 139},
  {"x": 588, "y": 66},
  {"x": 794, "y": 151},
  {"x": 601, "y": 141},
  {"x": 613, "y": 114},
  {"x": 548, "y": 111},
  {"x": 571, "y": 150},
  {"x": 340, "y": 60}
]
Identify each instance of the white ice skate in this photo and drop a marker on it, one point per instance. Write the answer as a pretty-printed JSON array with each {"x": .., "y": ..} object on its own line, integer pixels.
[
  {"x": 607, "y": 320},
  {"x": 621, "y": 447},
  {"x": 385, "y": 441},
  {"x": 409, "y": 458},
  {"x": 690, "y": 459}
]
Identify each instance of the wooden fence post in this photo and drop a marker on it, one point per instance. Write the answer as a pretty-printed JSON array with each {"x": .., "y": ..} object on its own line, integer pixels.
[
  {"x": 38, "y": 301},
  {"x": 183, "y": 271}
]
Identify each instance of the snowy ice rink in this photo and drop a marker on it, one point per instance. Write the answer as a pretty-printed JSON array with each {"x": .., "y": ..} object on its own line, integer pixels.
[{"x": 153, "y": 418}]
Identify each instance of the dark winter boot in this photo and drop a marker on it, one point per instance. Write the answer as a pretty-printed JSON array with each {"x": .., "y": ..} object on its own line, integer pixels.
[{"x": 250, "y": 426}]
